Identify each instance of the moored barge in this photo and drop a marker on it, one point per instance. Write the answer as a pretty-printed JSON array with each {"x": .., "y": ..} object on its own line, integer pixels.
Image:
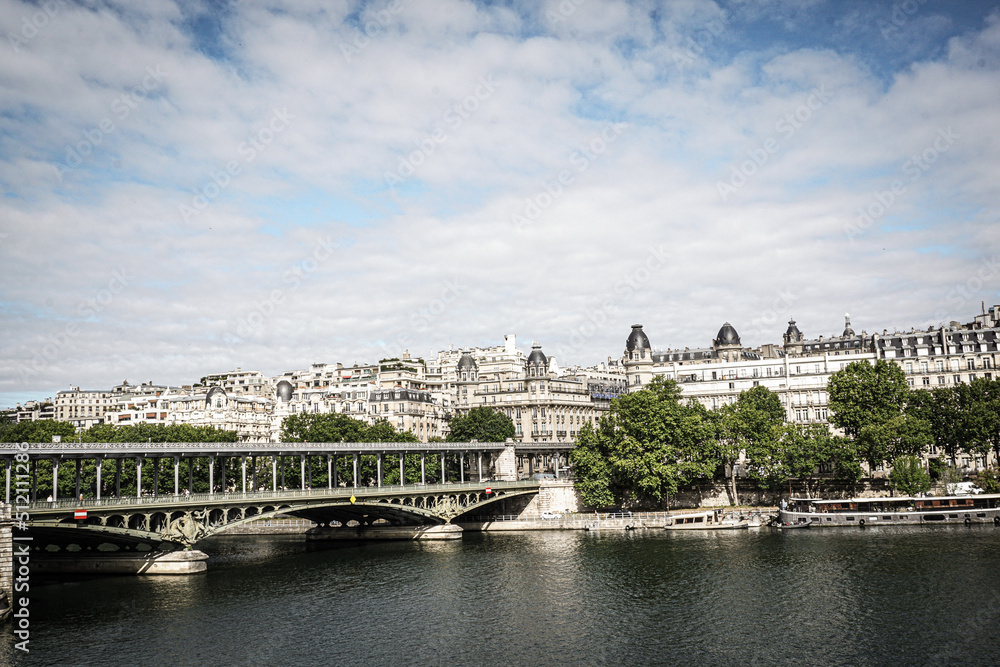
[{"x": 899, "y": 511}]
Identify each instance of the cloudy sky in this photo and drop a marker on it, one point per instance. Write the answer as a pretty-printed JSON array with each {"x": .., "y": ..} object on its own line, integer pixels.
[{"x": 190, "y": 187}]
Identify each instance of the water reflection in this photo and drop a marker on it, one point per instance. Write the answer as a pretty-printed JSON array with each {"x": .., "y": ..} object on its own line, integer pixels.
[{"x": 850, "y": 597}]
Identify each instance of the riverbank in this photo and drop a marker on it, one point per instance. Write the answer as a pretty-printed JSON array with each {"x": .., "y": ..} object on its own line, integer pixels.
[{"x": 525, "y": 522}]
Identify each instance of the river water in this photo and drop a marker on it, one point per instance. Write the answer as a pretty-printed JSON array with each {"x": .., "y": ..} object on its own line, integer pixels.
[{"x": 875, "y": 596}]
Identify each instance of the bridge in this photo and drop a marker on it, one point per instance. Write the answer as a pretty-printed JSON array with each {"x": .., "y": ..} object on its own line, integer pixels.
[{"x": 150, "y": 521}]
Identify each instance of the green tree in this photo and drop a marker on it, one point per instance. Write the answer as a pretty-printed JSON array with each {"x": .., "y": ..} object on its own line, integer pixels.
[
  {"x": 908, "y": 476},
  {"x": 978, "y": 422},
  {"x": 752, "y": 425},
  {"x": 36, "y": 431},
  {"x": 864, "y": 394},
  {"x": 482, "y": 424},
  {"x": 644, "y": 449},
  {"x": 901, "y": 436},
  {"x": 325, "y": 427},
  {"x": 802, "y": 449}
]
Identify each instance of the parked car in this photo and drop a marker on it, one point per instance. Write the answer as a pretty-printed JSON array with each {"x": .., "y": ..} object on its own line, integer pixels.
[
  {"x": 618, "y": 513},
  {"x": 551, "y": 515}
]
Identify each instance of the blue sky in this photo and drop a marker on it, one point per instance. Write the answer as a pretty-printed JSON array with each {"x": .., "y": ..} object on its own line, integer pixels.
[{"x": 191, "y": 187}]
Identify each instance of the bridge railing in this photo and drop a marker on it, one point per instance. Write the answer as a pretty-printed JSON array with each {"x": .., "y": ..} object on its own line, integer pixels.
[{"x": 359, "y": 492}]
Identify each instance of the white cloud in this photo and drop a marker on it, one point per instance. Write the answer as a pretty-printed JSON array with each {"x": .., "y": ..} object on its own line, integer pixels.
[{"x": 510, "y": 100}]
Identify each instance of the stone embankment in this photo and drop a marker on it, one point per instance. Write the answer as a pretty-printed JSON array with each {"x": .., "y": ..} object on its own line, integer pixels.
[
  {"x": 598, "y": 521},
  {"x": 270, "y": 527}
]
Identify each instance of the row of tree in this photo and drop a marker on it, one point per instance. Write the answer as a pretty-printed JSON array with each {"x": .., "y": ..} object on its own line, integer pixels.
[
  {"x": 652, "y": 444},
  {"x": 194, "y": 472},
  {"x": 886, "y": 420}
]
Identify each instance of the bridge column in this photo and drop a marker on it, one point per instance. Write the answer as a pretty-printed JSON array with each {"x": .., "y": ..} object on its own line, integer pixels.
[
  {"x": 243, "y": 463},
  {"x": 55, "y": 479},
  {"x": 443, "y": 478},
  {"x": 402, "y": 470},
  {"x": 355, "y": 470},
  {"x": 274, "y": 473},
  {"x": 118, "y": 478},
  {"x": 281, "y": 459},
  {"x": 76, "y": 494},
  {"x": 461, "y": 467},
  {"x": 138, "y": 476},
  {"x": 329, "y": 471},
  {"x": 211, "y": 475},
  {"x": 480, "y": 466},
  {"x": 156, "y": 476},
  {"x": 10, "y": 464},
  {"x": 302, "y": 471},
  {"x": 190, "y": 475},
  {"x": 253, "y": 479},
  {"x": 98, "y": 464},
  {"x": 558, "y": 461},
  {"x": 177, "y": 475},
  {"x": 423, "y": 467},
  {"x": 378, "y": 462}
]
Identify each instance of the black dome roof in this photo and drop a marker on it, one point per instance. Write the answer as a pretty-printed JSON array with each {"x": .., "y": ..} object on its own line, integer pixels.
[
  {"x": 537, "y": 356},
  {"x": 727, "y": 335},
  {"x": 285, "y": 390},
  {"x": 792, "y": 330},
  {"x": 466, "y": 362},
  {"x": 848, "y": 331},
  {"x": 637, "y": 339}
]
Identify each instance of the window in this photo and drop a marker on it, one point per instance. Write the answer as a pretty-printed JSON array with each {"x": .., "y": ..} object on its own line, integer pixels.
[
  {"x": 940, "y": 379},
  {"x": 970, "y": 364},
  {"x": 940, "y": 367},
  {"x": 732, "y": 385},
  {"x": 957, "y": 379},
  {"x": 972, "y": 376},
  {"x": 923, "y": 366},
  {"x": 927, "y": 381},
  {"x": 909, "y": 368},
  {"x": 986, "y": 363},
  {"x": 909, "y": 381}
]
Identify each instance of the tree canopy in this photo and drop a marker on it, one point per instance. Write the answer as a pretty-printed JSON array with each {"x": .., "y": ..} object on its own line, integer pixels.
[
  {"x": 864, "y": 395},
  {"x": 332, "y": 427},
  {"x": 483, "y": 424},
  {"x": 645, "y": 448}
]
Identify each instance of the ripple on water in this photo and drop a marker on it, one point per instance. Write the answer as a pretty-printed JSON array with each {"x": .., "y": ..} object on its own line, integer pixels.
[{"x": 834, "y": 597}]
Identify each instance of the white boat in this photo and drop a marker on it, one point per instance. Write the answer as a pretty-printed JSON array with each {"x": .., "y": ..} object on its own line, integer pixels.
[
  {"x": 900, "y": 511},
  {"x": 710, "y": 520}
]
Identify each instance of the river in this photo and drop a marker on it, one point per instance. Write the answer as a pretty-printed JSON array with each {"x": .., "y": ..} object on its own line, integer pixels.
[{"x": 875, "y": 596}]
